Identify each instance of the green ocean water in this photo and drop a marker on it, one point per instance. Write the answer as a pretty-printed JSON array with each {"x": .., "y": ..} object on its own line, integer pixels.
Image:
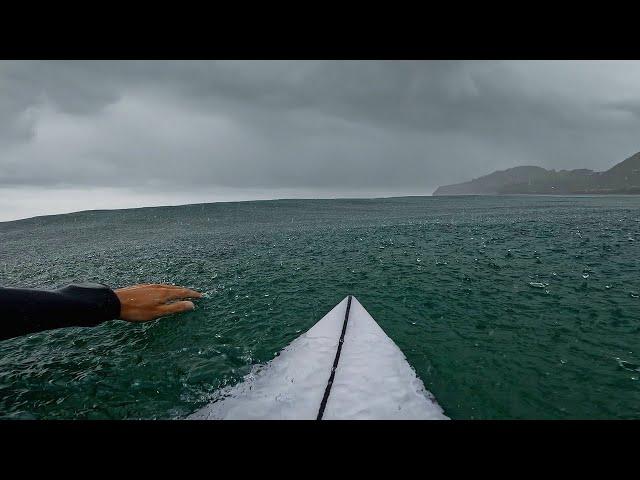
[{"x": 507, "y": 307}]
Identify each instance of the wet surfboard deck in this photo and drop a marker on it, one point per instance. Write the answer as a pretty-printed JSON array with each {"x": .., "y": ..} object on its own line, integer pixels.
[{"x": 344, "y": 367}]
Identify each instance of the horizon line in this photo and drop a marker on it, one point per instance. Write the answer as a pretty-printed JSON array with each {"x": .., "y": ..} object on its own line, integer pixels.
[{"x": 211, "y": 203}]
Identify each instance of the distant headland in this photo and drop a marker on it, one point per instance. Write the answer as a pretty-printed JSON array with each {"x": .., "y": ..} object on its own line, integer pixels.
[{"x": 623, "y": 178}]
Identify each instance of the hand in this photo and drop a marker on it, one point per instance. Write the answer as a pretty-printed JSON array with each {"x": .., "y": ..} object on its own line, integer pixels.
[{"x": 141, "y": 303}]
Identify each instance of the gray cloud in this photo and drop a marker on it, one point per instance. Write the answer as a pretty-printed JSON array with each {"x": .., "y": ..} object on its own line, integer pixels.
[{"x": 322, "y": 126}]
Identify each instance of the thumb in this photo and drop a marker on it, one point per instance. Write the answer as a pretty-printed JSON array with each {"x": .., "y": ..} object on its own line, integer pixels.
[{"x": 176, "y": 307}]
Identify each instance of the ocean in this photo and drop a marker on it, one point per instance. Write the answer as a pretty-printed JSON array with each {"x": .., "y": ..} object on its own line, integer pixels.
[{"x": 513, "y": 307}]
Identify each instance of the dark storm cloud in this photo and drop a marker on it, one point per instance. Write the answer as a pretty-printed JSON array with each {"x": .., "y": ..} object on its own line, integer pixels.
[{"x": 393, "y": 126}]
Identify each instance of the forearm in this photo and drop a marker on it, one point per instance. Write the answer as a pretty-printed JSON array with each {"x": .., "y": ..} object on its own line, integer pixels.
[{"x": 24, "y": 311}]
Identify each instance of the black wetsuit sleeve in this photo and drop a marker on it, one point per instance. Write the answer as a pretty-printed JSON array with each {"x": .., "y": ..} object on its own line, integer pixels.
[{"x": 25, "y": 310}]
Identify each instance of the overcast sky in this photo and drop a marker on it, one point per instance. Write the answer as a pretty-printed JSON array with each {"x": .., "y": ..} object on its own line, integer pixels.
[{"x": 81, "y": 135}]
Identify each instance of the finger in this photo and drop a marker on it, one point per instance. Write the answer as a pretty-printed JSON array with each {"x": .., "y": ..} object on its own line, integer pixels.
[
  {"x": 179, "y": 292},
  {"x": 175, "y": 287},
  {"x": 143, "y": 287},
  {"x": 176, "y": 307},
  {"x": 156, "y": 286}
]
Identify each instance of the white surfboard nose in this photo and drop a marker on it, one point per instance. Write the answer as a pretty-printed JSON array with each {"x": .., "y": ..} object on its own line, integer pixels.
[{"x": 371, "y": 377}]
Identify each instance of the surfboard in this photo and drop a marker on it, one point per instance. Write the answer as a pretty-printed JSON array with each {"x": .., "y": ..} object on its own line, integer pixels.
[{"x": 344, "y": 367}]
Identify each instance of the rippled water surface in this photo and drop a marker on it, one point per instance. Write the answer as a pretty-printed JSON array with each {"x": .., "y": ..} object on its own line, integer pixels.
[{"x": 507, "y": 307}]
